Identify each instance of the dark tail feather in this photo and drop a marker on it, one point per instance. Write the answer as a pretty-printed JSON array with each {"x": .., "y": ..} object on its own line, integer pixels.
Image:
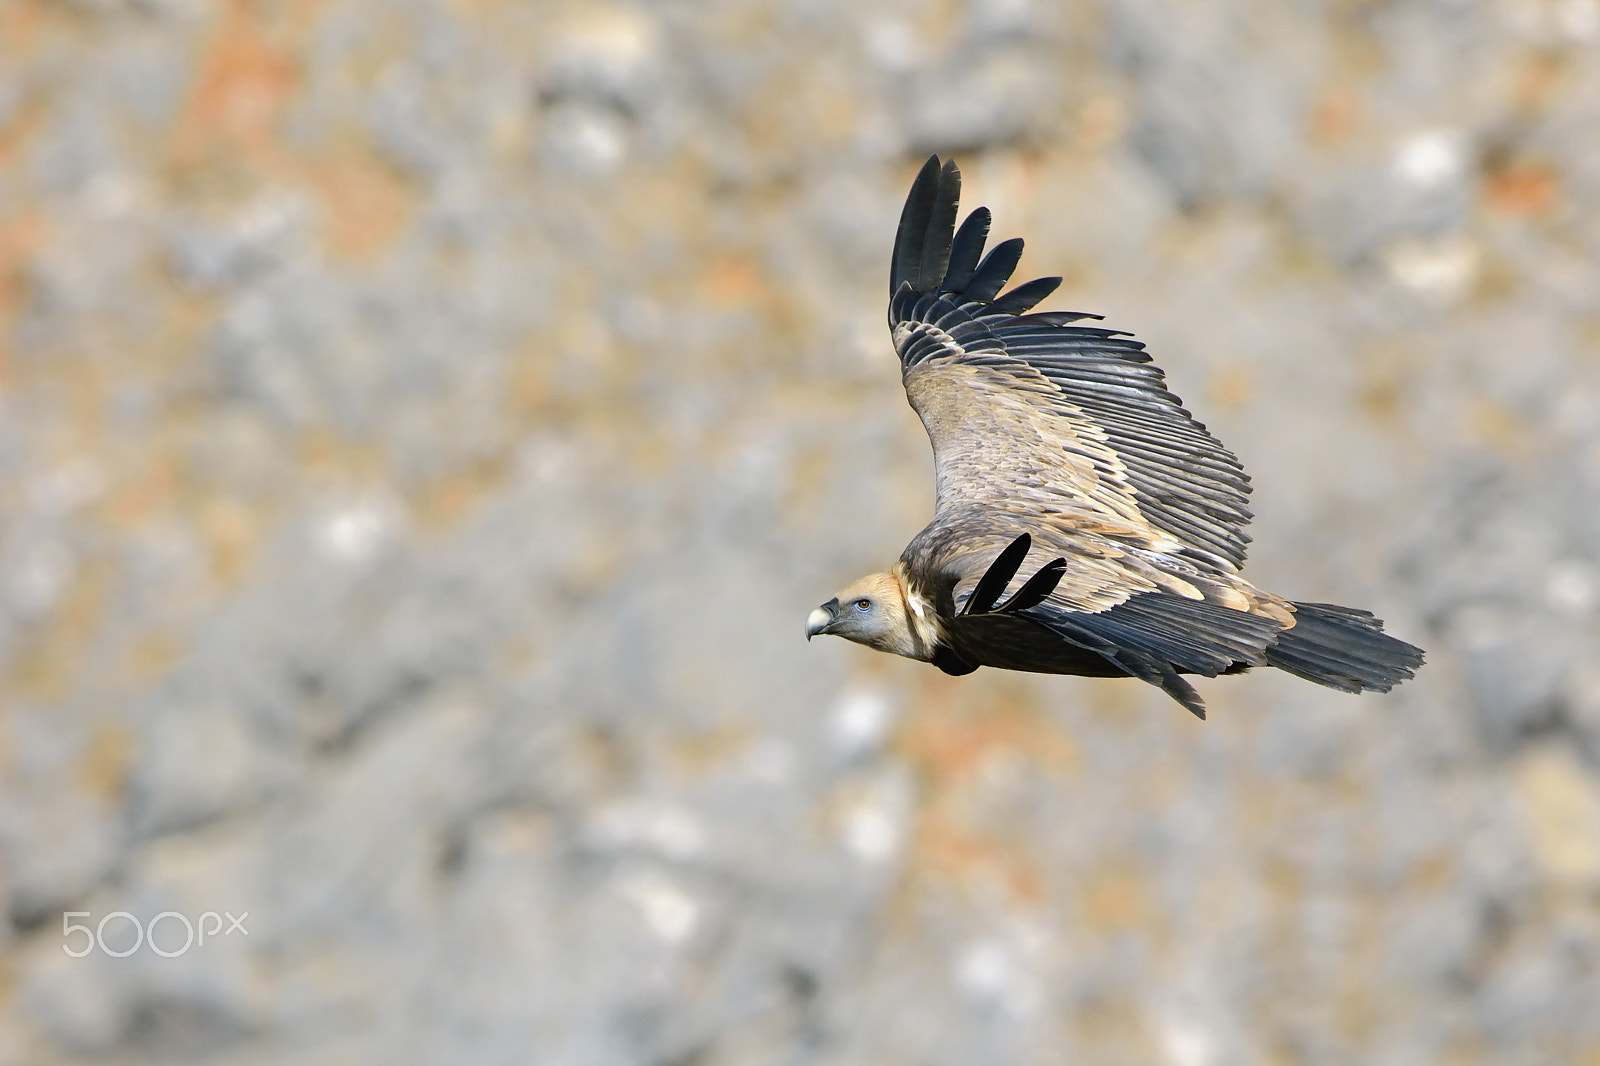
[{"x": 1343, "y": 648}]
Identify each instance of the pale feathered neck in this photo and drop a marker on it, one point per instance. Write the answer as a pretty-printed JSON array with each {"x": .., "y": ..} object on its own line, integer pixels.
[{"x": 922, "y": 619}]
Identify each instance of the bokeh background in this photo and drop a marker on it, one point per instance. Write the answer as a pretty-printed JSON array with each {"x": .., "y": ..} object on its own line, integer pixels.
[{"x": 425, "y": 426}]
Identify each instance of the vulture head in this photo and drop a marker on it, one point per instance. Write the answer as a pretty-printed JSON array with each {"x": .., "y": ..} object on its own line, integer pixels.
[{"x": 871, "y": 611}]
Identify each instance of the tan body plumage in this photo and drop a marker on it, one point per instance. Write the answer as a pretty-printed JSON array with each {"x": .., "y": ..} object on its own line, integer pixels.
[{"x": 1058, "y": 441}]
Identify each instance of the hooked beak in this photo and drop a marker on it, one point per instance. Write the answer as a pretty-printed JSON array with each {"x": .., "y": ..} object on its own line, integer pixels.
[{"x": 820, "y": 619}]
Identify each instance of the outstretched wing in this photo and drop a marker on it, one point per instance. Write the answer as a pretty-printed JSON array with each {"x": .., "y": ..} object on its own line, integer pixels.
[
  {"x": 1056, "y": 423},
  {"x": 1064, "y": 431}
]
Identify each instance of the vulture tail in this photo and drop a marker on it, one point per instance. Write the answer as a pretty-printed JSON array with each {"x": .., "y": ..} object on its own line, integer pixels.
[{"x": 1343, "y": 648}]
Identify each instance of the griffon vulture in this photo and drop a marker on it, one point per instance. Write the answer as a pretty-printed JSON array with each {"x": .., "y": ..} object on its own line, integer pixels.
[{"x": 1058, "y": 441}]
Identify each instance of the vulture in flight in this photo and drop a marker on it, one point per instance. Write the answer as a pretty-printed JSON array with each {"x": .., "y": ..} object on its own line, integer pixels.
[{"x": 1085, "y": 523}]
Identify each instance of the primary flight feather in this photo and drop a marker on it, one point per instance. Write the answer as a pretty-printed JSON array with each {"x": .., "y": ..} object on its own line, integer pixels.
[{"x": 1057, "y": 441}]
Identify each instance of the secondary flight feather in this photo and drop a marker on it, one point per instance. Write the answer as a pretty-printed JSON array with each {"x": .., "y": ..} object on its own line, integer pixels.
[{"x": 1056, "y": 440}]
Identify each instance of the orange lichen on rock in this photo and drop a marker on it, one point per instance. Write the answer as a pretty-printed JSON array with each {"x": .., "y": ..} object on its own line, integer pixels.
[
  {"x": 245, "y": 80},
  {"x": 1335, "y": 116},
  {"x": 1522, "y": 189},
  {"x": 229, "y": 132},
  {"x": 366, "y": 202},
  {"x": 20, "y": 236}
]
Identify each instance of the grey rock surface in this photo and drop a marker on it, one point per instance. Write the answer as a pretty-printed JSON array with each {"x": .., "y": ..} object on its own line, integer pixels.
[{"x": 424, "y": 427}]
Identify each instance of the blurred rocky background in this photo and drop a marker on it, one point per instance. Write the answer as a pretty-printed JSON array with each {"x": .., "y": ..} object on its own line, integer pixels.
[{"x": 425, "y": 425}]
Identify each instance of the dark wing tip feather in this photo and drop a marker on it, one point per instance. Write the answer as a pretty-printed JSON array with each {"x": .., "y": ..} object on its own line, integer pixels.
[
  {"x": 998, "y": 576},
  {"x": 940, "y": 228},
  {"x": 906, "y": 266},
  {"x": 1037, "y": 588},
  {"x": 1066, "y": 318},
  {"x": 966, "y": 250},
  {"x": 1024, "y": 296},
  {"x": 994, "y": 271}
]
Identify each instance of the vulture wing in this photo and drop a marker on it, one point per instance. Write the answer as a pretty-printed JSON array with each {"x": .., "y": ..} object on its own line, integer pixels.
[{"x": 1044, "y": 425}]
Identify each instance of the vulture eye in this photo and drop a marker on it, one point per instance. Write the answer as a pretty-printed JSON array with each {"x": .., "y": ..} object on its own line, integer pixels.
[{"x": 863, "y": 605}]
